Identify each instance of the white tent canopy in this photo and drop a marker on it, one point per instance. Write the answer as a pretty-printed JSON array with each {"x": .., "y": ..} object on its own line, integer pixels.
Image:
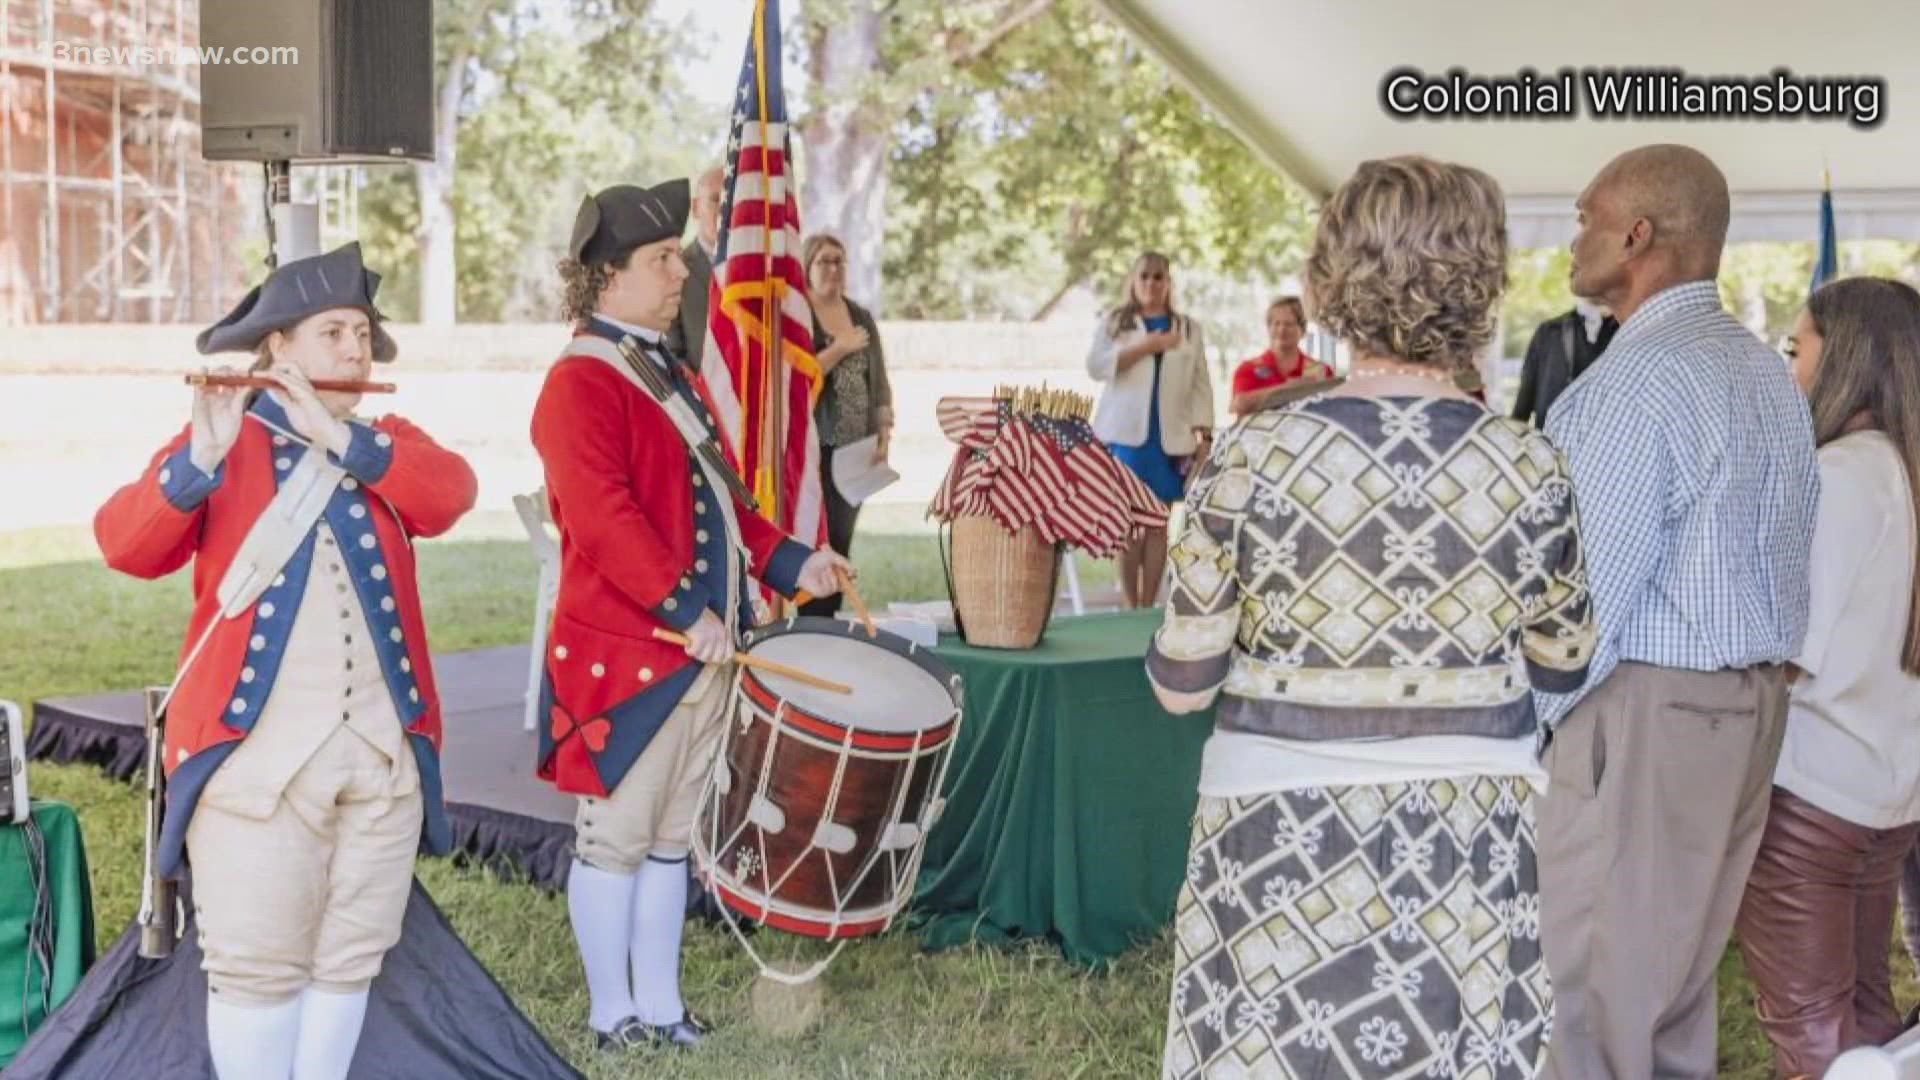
[{"x": 1300, "y": 81}]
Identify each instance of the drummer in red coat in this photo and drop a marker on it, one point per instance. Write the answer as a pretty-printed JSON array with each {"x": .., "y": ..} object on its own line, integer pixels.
[
  {"x": 302, "y": 743},
  {"x": 652, "y": 537}
]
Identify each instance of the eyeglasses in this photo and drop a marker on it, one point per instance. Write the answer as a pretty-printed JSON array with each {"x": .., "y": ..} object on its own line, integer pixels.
[{"x": 1152, "y": 275}]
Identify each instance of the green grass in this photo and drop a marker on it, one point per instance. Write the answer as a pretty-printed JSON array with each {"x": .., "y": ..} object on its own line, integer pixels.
[{"x": 890, "y": 1010}]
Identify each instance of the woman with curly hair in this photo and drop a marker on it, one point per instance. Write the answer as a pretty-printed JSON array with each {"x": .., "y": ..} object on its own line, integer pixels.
[{"x": 1369, "y": 582}]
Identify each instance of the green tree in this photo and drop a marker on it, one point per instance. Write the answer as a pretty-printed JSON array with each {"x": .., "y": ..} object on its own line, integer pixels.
[
  {"x": 1034, "y": 148},
  {"x": 867, "y": 62},
  {"x": 1763, "y": 285},
  {"x": 538, "y": 103}
]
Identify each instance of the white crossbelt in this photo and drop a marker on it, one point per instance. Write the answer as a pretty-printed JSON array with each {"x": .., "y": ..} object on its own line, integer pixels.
[{"x": 694, "y": 434}]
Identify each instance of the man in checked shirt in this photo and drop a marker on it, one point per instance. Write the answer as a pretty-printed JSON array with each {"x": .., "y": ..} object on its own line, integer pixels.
[{"x": 1693, "y": 467}]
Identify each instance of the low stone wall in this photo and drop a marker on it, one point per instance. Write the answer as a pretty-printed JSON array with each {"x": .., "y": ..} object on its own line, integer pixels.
[
  {"x": 105, "y": 348},
  {"x": 83, "y": 407}
]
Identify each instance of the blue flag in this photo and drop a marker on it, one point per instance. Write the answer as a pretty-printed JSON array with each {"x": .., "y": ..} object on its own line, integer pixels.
[{"x": 1826, "y": 262}]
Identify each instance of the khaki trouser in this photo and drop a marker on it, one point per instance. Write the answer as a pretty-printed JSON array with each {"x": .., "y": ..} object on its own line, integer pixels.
[
  {"x": 651, "y": 810},
  {"x": 1658, "y": 795},
  {"x": 313, "y": 894}
]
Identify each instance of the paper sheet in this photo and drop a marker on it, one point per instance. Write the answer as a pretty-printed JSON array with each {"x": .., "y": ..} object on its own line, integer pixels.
[{"x": 855, "y": 472}]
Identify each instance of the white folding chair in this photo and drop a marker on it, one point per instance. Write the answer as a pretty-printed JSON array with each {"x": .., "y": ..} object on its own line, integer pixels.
[
  {"x": 1070, "y": 580},
  {"x": 14, "y": 805},
  {"x": 1898, "y": 1060},
  {"x": 546, "y": 547}
]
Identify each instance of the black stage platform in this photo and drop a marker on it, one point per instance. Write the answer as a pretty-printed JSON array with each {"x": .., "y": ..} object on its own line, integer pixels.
[{"x": 501, "y": 814}]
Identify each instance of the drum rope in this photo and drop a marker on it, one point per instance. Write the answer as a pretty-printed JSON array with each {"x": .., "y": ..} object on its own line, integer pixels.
[
  {"x": 760, "y": 792},
  {"x": 711, "y": 855},
  {"x": 837, "y": 922},
  {"x": 833, "y": 803},
  {"x": 899, "y": 811},
  {"x": 785, "y": 978},
  {"x": 937, "y": 803}
]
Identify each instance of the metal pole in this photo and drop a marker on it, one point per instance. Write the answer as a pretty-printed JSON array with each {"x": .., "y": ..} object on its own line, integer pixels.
[
  {"x": 6, "y": 143},
  {"x": 279, "y": 194},
  {"x": 296, "y": 226},
  {"x": 119, "y": 232},
  {"x": 182, "y": 253},
  {"x": 50, "y": 216}
]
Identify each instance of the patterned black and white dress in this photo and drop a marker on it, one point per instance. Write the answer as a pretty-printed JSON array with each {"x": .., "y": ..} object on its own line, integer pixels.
[{"x": 1372, "y": 588}]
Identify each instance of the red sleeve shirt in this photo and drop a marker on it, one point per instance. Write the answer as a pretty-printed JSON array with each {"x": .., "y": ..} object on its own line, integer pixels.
[{"x": 1264, "y": 372}]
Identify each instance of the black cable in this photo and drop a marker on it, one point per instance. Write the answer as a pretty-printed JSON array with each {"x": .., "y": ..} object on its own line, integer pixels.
[
  {"x": 266, "y": 203},
  {"x": 40, "y": 928}
]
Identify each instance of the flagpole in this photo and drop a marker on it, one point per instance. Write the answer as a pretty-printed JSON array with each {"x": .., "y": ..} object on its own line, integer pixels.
[{"x": 773, "y": 411}]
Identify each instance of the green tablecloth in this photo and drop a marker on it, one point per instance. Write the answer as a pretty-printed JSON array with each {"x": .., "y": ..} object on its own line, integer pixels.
[
  {"x": 1069, "y": 797},
  {"x": 22, "y": 985}
]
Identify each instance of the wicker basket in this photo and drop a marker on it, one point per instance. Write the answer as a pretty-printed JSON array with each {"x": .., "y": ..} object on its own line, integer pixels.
[{"x": 1003, "y": 583}]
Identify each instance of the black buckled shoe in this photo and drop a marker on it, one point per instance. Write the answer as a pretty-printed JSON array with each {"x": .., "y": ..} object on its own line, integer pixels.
[
  {"x": 628, "y": 1034},
  {"x": 685, "y": 1033}
]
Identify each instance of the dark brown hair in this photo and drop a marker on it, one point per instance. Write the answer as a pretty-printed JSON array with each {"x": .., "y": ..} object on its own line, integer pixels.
[
  {"x": 581, "y": 285},
  {"x": 1870, "y": 363}
]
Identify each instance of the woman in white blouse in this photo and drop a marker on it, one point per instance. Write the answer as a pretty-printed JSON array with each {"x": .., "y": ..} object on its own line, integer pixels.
[
  {"x": 1819, "y": 903},
  {"x": 1156, "y": 404}
]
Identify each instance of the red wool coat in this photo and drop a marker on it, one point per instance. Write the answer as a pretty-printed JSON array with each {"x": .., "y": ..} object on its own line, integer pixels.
[
  {"x": 642, "y": 547},
  {"x": 174, "y": 514}
]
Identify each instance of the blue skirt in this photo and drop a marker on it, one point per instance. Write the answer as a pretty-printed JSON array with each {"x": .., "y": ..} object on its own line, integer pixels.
[
  {"x": 1149, "y": 460},
  {"x": 1154, "y": 468}
]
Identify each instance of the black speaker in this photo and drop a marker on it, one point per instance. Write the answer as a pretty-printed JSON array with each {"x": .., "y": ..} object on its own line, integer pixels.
[{"x": 316, "y": 80}]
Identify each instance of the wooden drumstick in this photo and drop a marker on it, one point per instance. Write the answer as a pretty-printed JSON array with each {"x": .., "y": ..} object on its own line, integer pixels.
[
  {"x": 859, "y": 606},
  {"x": 771, "y": 667}
]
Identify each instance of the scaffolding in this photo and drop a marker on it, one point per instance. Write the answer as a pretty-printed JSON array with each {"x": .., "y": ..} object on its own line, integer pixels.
[{"x": 107, "y": 211}]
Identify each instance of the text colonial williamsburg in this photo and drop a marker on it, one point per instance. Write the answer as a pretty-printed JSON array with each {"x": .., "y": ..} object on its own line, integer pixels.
[{"x": 1633, "y": 93}]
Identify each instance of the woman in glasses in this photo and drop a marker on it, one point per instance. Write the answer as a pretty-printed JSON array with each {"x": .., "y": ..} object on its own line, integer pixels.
[
  {"x": 1156, "y": 404},
  {"x": 857, "y": 401}
]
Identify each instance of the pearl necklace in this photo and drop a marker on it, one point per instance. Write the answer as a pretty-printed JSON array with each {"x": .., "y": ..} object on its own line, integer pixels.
[{"x": 1430, "y": 376}]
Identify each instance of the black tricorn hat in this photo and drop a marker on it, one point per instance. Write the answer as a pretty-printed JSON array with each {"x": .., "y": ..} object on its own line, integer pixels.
[
  {"x": 623, "y": 217},
  {"x": 292, "y": 293}
]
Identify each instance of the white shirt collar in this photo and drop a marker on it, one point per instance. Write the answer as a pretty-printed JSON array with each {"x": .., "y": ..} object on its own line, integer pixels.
[
  {"x": 651, "y": 337},
  {"x": 1591, "y": 315}
]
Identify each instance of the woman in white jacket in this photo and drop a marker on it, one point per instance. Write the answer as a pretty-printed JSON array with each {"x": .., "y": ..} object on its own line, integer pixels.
[{"x": 1154, "y": 416}]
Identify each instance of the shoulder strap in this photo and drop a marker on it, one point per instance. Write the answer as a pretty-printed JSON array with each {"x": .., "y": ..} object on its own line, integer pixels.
[
  {"x": 691, "y": 430},
  {"x": 700, "y": 444},
  {"x": 279, "y": 531}
]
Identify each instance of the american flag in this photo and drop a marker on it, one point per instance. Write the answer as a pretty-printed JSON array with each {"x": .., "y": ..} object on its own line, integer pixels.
[
  {"x": 764, "y": 382},
  {"x": 1046, "y": 471}
]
